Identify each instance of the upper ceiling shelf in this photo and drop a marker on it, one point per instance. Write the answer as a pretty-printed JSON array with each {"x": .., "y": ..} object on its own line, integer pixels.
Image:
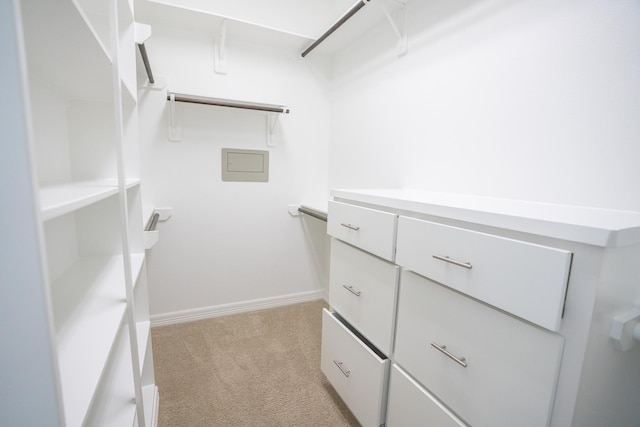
[
  {"x": 355, "y": 22},
  {"x": 292, "y": 24}
]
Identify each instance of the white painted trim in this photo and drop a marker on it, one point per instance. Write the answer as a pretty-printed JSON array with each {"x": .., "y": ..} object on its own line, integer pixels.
[
  {"x": 325, "y": 295},
  {"x": 234, "y": 308}
]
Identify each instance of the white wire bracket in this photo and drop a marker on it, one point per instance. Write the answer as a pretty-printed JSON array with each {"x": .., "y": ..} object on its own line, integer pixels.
[
  {"x": 272, "y": 122},
  {"x": 399, "y": 25},
  {"x": 220, "y": 50},
  {"x": 175, "y": 128}
]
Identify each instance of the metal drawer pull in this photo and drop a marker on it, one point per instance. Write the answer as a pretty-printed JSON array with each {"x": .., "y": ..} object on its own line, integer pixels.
[
  {"x": 350, "y": 289},
  {"x": 443, "y": 349},
  {"x": 453, "y": 261},
  {"x": 339, "y": 365},
  {"x": 351, "y": 226}
]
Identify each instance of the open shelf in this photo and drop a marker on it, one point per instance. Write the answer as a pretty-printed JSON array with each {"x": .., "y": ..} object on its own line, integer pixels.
[
  {"x": 63, "y": 198},
  {"x": 272, "y": 29},
  {"x": 89, "y": 305},
  {"x": 151, "y": 402},
  {"x": 80, "y": 72},
  {"x": 60, "y": 199},
  {"x": 70, "y": 43},
  {"x": 137, "y": 261},
  {"x": 114, "y": 404},
  {"x": 96, "y": 15},
  {"x": 205, "y": 21}
]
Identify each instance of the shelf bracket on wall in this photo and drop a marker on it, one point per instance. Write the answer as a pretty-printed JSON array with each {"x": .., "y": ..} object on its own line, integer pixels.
[
  {"x": 220, "y": 50},
  {"x": 272, "y": 122},
  {"x": 175, "y": 129},
  {"x": 398, "y": 26}
]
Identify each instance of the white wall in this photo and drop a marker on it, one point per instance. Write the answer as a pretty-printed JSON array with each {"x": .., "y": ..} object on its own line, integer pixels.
[
  {"x": 521, "y": 99},
  {"x": 231, "y": 242},
  {"x": 525, "y": 99}
]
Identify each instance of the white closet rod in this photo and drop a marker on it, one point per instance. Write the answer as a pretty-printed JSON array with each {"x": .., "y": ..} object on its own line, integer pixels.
[
  {"x": 354, "y": 9},
  {"x": 227, "y": 103}
]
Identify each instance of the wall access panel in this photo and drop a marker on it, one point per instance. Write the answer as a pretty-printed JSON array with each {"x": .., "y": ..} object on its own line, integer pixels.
[{"x": 245, "y": 165}]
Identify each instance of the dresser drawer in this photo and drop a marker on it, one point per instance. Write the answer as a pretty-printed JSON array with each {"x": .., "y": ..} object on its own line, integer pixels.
[
  {"x": 357, "y": 373},
  {"x": 369, "y": 229},
  {"x": 362, "y": 289},
  {"x": 511, "y": 366},
  {"x": 410, "y": 405},
  {"x": 522, "y": 278}
]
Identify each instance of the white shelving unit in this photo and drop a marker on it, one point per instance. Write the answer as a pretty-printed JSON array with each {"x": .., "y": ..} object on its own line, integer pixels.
[{"x": 81, "y": 107}]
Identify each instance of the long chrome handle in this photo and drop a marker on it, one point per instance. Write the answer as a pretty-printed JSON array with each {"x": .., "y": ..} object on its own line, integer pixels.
[
  {"x": 453, "y": 261},
  {"x": 353, "y": 291},
  {"x": 351, "y": 226},
  {"x": 443, "y": 349},
  {"x": 339, "y": 365}
]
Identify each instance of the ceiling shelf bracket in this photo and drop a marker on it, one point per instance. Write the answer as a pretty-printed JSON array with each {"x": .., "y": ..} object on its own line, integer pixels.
[
  {"x": 220, "y": 50},
  {"x": 398, "y": 25}
]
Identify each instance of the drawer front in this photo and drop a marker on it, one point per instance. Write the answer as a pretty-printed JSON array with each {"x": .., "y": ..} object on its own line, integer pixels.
[
  {"x": 524, "y": 279},
  {"x": 410, "y": 405},
  {"x": 355, "y": 372},
  {"x": 511, "y": 366},
  {"x": 362, "y": 289},
  {"x": 369, "y": 229}
]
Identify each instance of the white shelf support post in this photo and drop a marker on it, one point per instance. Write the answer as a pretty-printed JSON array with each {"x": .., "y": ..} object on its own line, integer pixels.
[
  {"x": 399, "y": 27},
  {"x": 220, "y": 50},
  {"x": 175, "y": 129}
]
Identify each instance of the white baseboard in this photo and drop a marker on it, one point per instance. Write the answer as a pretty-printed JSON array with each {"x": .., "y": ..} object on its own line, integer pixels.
[{"x": 235, "y": 308}]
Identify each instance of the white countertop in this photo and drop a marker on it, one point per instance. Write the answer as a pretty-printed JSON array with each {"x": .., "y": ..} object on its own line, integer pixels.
[{"x": 594, "y": 226}]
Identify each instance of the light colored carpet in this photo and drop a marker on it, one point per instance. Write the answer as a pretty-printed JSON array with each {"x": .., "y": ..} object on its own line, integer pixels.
[{"x": 253, "y": 369}]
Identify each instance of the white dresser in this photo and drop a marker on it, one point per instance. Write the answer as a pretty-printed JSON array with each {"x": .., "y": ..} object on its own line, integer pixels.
[{"x": 459, "y": 310}]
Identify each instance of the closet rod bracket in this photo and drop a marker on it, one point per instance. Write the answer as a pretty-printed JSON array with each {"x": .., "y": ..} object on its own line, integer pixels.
[
  {"x": 272, "y": 121},
  {"x": 175, "y": 128}
]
